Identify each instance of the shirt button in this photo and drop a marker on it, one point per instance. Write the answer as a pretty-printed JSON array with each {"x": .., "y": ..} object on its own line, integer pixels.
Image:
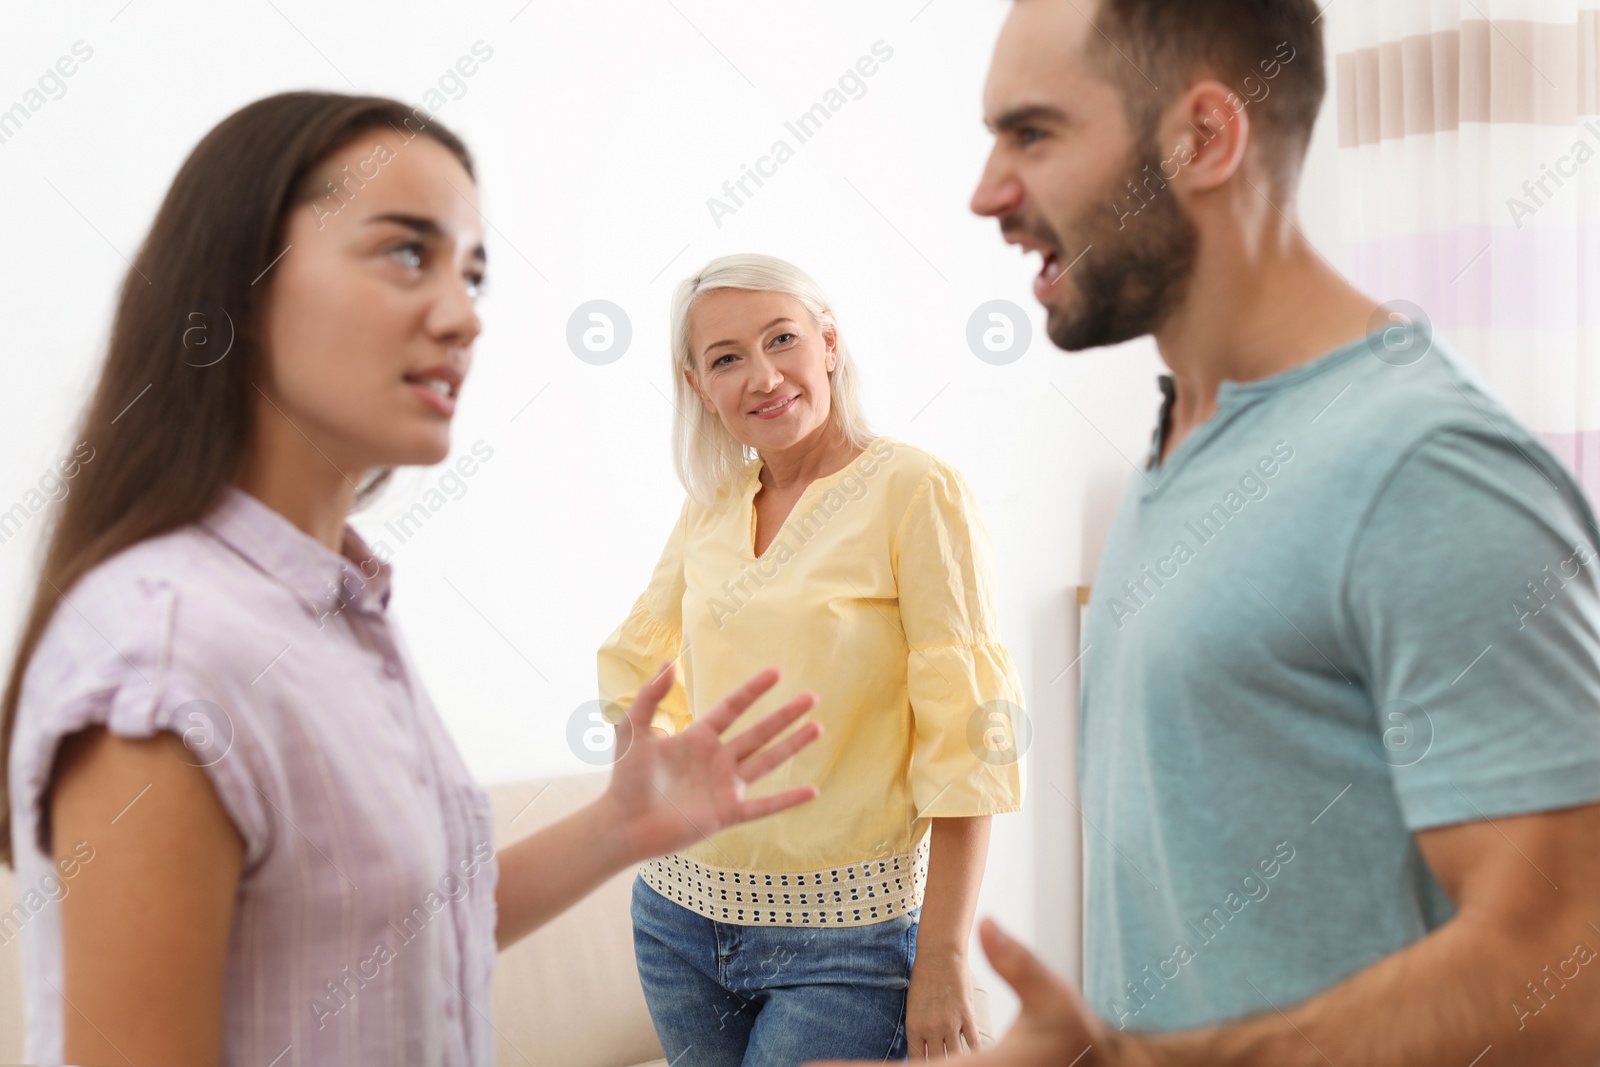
[
  {"x": 450, "y": 1009},
  {"x": 391, "y": 668}
]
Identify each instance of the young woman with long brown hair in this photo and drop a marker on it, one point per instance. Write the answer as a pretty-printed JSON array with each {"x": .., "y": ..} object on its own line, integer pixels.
[{"x": 277, "y": 854}]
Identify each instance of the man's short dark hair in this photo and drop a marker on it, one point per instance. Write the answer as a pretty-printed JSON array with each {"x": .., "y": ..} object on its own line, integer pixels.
[{"x": 1269, "y": 52}]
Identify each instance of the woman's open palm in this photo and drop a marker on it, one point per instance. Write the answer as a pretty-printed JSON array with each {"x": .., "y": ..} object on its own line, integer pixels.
[{"x": 669, "y": 792}]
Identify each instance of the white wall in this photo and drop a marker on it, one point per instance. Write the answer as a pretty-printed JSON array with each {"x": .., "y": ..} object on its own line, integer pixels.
[{"x": 601, "y": 129}]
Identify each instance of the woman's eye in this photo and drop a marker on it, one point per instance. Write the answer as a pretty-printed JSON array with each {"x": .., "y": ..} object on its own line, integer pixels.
[
  {"x": 409, "y": 253},
  {"x": 718, "y": 361},
  {"x": 477, "y": 283},
  {"x": 781, "y": 336}
]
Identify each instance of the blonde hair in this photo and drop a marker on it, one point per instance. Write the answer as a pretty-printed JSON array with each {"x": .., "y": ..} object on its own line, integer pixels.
[{"x": 711, "y": 462}]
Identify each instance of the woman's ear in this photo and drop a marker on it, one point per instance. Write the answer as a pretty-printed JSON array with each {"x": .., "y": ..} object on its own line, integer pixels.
[{"x": 688, "y": 376}]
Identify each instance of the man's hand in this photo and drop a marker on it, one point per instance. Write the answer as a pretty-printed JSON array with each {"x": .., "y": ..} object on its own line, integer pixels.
[
  {"x": 1054, "y": 1028},
  {"x": 669, "y": 792},
  {"x": 1500, "y": 981}
]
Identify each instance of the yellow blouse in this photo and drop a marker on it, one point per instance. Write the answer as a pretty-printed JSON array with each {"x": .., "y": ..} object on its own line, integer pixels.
[{"x": 877, "y": 594}]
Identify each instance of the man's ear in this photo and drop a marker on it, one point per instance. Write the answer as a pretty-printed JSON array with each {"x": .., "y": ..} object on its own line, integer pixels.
[{"x": 1205, "y": 135}]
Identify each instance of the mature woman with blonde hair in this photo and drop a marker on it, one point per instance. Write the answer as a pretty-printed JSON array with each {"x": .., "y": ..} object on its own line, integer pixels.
[{"x": 860, "y": 565}]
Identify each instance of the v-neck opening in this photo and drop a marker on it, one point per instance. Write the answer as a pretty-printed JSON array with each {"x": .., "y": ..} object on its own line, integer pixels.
[
  {"x": 822, "y": 484},
  {"x": 1233, "y": 397},
  {"x": 1160, "y": 472}
]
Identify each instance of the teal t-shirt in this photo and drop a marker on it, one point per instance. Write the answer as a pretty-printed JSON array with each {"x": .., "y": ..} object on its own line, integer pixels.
[{"x": 1360, "y": 601}]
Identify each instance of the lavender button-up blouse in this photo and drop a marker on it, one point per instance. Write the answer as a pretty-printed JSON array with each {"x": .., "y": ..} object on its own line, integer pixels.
[{"x": 364, "y": 927}]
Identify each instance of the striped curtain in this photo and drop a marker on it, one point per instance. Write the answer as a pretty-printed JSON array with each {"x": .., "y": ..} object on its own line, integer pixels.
[{"x": 1469, "y": 134}]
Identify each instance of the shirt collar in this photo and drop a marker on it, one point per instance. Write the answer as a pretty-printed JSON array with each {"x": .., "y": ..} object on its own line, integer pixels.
[
  {"x": 1232, "y": 395},
  {"x": 324, "y": 581}
]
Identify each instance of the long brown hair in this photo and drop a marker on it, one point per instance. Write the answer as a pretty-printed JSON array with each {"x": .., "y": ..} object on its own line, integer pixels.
[{"x": 169, "y": 422}]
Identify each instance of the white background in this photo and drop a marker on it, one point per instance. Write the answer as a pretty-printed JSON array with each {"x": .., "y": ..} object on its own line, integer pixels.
[{"x": 600, "y": 129}]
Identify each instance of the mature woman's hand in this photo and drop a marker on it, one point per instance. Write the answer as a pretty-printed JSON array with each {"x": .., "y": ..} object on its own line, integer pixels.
[
  {"x": 669, "y": 792},
  {"x": 1054, "y": 1028},
  {"x": 939, "y": 1011}
]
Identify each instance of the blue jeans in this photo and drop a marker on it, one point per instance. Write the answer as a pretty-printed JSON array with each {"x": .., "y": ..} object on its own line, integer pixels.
[{"x": 723, "y": 995}]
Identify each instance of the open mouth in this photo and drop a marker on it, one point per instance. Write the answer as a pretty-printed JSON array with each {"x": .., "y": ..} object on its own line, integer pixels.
[
  {"x": 1051, "y": 269},
  {"x": 437, "y": 390},
  {"x": 441, "y": 388}
]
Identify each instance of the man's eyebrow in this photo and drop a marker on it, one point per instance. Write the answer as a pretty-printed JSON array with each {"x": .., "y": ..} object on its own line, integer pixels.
[
  {"x": 764, "y": 329},
  {"x": 424, "y": 227},
  {"x": 1026, "y": 115}
]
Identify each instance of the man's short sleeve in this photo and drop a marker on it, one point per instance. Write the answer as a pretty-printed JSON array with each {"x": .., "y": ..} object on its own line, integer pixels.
[{"x": 1474, "y": 603}]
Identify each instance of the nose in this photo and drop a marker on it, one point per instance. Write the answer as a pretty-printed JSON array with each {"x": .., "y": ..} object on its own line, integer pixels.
[
  {"x": 454, "y": 319},
  {"x": 764, "y": 375},
  {"x": 998, "y": 192}
]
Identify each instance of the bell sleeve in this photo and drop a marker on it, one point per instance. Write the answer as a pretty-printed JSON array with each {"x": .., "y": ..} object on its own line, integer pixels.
[{"x": 966, "y": 698}]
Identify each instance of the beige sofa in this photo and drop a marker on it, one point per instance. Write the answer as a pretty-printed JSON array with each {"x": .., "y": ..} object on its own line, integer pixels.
[{"x": 566, "y": 996}]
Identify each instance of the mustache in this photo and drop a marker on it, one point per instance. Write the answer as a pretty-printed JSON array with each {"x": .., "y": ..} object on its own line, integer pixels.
[{"x": 1016, "y": 226}]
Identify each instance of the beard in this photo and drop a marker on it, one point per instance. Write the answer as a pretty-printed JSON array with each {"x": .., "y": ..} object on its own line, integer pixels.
[{"x": 1138, "y": 267}]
